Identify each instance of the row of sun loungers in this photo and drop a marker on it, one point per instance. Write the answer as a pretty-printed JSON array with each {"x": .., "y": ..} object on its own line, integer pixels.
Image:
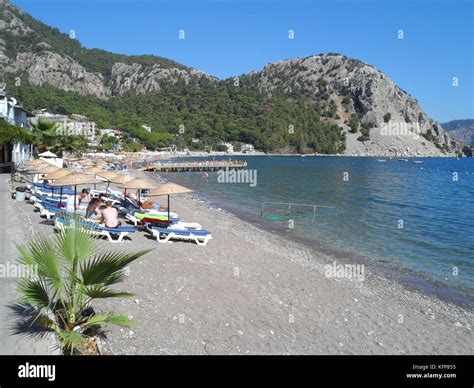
[{"x": 155, "y": 222}]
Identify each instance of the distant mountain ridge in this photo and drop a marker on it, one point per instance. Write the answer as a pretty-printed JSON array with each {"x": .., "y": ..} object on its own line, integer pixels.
[
  {"x": 461, "y": 130},
  {"x": 325, "y": 103}
]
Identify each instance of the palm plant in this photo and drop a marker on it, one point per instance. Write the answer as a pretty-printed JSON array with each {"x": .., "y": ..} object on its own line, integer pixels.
[
  {"x": 45, "y": 134},
  {"x": 48, "y": 136},
  {"x": 71, "y": 272}
]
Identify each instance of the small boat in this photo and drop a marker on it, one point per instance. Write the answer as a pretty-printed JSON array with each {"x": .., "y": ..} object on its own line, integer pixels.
[
  {"x": 403, "y": 160},
  {"x": 381, "y": 160},
  {"x": 418, "y": 161}
]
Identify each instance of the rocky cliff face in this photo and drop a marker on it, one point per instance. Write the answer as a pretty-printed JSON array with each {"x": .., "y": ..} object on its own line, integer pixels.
[
  {"x": 44, "y": 65},
  {"x": 378, "y": 117},
  {"x": 461, "y": 130},
  {"x": 142, "y": 80},
  {"x": 51, "y": 69}
]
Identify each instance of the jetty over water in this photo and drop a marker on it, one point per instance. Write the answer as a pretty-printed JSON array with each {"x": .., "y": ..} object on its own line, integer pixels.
[{"x": 214, "y": 165}]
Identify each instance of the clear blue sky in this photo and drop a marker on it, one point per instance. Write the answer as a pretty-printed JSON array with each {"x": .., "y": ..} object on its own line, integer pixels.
[{"x": 226, "y": 38}]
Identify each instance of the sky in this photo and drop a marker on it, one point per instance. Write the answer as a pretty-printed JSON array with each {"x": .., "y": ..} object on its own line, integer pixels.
[{"x": 433, "y": 61}]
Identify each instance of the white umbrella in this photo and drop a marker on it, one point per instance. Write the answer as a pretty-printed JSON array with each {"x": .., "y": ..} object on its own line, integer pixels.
[{"x": 48, "y": 154}]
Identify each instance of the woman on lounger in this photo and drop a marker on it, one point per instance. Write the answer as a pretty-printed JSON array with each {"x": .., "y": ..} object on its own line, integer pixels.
[
  {"x": 149, "y": 205},
  {"x": 92, "y": 210}
]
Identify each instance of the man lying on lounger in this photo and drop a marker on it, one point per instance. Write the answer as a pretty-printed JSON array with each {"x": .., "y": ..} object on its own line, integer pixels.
[{"x": 110, "y": 216}]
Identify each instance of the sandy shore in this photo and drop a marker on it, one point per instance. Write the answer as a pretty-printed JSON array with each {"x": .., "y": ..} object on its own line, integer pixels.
[{"x": 251, "y": 292}]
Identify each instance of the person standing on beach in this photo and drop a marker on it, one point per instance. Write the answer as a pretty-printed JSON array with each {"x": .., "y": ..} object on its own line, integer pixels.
[{"x": 74, "y": 201}]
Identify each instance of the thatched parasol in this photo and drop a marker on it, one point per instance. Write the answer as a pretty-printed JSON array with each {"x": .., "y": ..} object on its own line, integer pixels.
[
  {"x": 58, "y": 174},
  {"x": 86, "y": 162},
  {"x": 101, "y": 163},
  {"x": 92, "y": 171},
  {"x": 74, "y": 179},
  {"x": 168, "y": 189},
  {"x": 140, "y": 184},
  {"x": 45, "y": 168}
]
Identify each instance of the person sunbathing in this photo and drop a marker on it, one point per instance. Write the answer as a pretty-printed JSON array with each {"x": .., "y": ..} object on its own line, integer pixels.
[
  {"x": 92, "y": 210},
  {"x": 149, "y": 205},
  {"x": 110, "y": 216}
]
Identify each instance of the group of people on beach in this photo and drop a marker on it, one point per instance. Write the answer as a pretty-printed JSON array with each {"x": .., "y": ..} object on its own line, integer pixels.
[{"x": 99, "y": 209}]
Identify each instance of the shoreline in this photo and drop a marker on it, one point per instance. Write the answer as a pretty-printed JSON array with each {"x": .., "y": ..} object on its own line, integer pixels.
[
  {"x": 250, "y": 291},
  {"x": 152, "y": 156},
  {"x": 404, "y": 276}
]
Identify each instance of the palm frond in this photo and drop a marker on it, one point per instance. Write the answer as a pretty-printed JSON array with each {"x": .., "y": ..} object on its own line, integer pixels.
[
  {"x": 76, "y": 243},
  {"x": 100, "y": 292},
  {"x": 42, "y": 254},
  {"x": 107, "y": 268},
  {"x": 71, "y": 339},
  {"x": 116, "y": 319},
  {"x": 34, "y": 292}
]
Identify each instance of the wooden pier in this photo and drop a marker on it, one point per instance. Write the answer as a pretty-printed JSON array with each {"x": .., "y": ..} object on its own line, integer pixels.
[{"x": 214, "y": 165}]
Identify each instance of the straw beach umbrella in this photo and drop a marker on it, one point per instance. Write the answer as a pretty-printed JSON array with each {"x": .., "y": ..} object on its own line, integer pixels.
[
  {"x": 124, "y": 178},
  {"x": 101, "y": 163},
  {"x": 108, "y": 175},
  {"x": 86, "y": 162},
  {"x": 139, "y": 184},
  {"x": 169, "y": 189},
  {"x": 92, "y": 171},
  {"x": 44, "y": 168},
  {"x": 35, "y": 162},
  {"x": 74, "y": 179},
  {"x": 58, "y": 174}
]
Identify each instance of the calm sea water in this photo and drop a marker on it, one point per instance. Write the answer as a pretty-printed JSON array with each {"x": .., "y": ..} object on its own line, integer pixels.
[{"x": 414, "y": 222}]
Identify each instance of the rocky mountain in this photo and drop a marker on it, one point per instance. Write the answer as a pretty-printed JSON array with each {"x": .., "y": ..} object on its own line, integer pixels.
[
  {"x": 461, "y": 130},
  {"x": 325, "y": 103},
  {"x": 378, "y": 117}
]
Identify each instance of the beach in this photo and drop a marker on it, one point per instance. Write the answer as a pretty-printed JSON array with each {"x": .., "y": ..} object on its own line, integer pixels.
[{"x": 250, "y": 291}]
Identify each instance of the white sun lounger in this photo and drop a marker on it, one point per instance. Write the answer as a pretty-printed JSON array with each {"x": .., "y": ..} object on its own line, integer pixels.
[
  {"x": 100, "y": 230},
  {"x": 165, "y": 235}
]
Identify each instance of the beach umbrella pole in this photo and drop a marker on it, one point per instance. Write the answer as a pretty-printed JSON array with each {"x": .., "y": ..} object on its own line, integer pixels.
[{"x": 60, "y": 196}]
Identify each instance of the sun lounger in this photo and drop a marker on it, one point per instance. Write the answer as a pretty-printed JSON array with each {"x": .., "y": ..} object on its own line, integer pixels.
[
  {"x": 164, "y": 235},
  {"x": 50, "y": 211},
  {"x": 98, "y": 229},
  {"x": 44, "y": 198},
  {"x": 143, "y": 218}
]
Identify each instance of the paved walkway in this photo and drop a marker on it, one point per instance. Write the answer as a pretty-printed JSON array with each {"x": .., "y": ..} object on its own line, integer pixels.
[{"x": 11, "y": 233}]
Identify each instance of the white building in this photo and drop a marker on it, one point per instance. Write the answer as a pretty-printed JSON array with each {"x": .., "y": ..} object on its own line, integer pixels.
[
  {"x": 230, "y": 147},
  {"x": 12, "y": 112},
  {"x": 111, "y": 132},
  {"x": 248, "y": 148}
]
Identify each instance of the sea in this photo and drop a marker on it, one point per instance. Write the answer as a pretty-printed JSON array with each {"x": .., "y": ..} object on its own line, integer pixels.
[{"x": 411, "y": 220}]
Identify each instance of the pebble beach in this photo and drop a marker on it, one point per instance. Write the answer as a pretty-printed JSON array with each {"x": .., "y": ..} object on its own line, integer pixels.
[{"x": 250, "y": 291}]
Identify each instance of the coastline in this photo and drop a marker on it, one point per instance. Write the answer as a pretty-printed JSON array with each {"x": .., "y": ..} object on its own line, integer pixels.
[
  {"x": 250, "y": 291},
  {"x": 253, "y": 292}
]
